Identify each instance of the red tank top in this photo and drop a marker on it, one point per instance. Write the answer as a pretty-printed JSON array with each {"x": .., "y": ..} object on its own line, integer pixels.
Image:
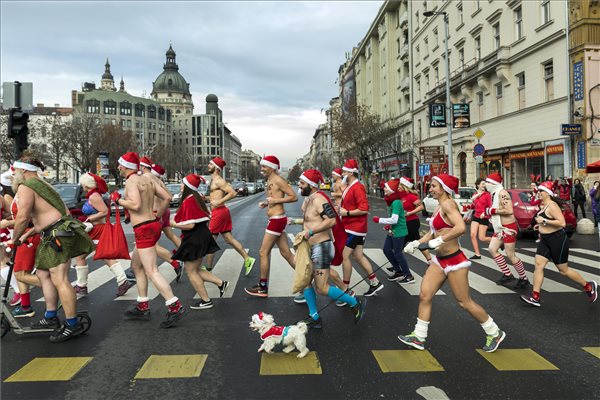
[
  {"x": 14, "y": 208},
  {"x": 437, "y": 222},
  {"x": 408, "y": 202}
]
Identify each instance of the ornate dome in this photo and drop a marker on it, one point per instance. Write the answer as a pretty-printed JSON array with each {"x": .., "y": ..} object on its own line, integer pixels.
[
  {"x": 170, "y": 80},
  {"x": 211, "y": 98}
]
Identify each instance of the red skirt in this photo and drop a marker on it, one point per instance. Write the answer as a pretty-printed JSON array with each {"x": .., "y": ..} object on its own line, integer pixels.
[{"x": 452, "y": 262}]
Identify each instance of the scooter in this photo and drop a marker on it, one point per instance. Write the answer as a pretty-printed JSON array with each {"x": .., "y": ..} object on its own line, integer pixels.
[{"x": 8, "y": 321}]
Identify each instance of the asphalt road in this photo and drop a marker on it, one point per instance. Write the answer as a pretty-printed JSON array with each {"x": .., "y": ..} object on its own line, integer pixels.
[{"x": 551, "y": 352}]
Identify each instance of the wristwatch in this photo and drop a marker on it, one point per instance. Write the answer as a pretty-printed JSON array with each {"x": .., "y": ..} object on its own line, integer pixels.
[
  {"x": 544, "y": 222},
  {"x": 347, "y": 213}
]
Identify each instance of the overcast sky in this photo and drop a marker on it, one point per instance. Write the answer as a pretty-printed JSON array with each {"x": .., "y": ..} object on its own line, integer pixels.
[{"x": 273, "y": 65}]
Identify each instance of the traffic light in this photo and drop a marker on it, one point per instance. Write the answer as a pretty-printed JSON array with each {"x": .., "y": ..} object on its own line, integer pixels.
[{"x": 18, "y": 129}]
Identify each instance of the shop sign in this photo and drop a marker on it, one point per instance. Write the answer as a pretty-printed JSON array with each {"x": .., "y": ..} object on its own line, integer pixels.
[
  {"x": 527, "y": 154},
  {"x": 392, "y": 163},
  {"x": 556, "y": 149},
  {"x": 488, "y": 159},
  {"x": 570, "y": 129},
  {"x": 437, "y": 115},
  {"x": 578, "y": 80},
  {"x": 461, "y": 117},
  {"x": 581, "y": 159}
]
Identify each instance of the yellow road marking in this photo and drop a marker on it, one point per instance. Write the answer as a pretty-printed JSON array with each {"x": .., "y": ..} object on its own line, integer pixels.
[
  {"x": 289, "y": 364},
  {"x": 595, "y": 351},
  {"x": 49, "y": 369},
  {"x": 172, "y": 366},
  {"x": 406, "y": 361},
  {"x": 517, "y": 360}
]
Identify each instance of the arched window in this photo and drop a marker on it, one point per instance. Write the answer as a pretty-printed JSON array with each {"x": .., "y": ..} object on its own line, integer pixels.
[
  {"x": 92, "y": 106},
  {"x": 161, "y": 113},
  {"x": 151, "y": 112},
  {"x": 125, "y": 108},
  {"x": 140, "y": 110},
  {"x": 110, "y": 107}
]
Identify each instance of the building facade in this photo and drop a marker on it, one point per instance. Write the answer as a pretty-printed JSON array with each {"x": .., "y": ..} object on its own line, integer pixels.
[{"x": 250, "y": 166}]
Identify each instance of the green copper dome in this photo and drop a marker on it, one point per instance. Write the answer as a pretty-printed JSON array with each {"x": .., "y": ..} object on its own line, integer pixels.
[{"x": 170, "y": 80}]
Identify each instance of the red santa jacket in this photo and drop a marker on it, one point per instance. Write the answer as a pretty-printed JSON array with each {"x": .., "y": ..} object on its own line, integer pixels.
[{"x": 354, "y": 197}]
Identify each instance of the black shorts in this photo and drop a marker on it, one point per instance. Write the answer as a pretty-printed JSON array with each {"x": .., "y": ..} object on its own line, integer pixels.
[
  {"x": 481, "y": 221},
  {"x": 413, "y": 230},
  {"x": 355, "y": 240},
  {"x": 554, "y": 246}
]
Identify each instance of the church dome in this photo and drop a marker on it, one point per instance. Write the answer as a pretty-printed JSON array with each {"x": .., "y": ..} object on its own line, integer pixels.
[
  {"x": 211, "y": 98},
  {"x": 170, "y": 80}
]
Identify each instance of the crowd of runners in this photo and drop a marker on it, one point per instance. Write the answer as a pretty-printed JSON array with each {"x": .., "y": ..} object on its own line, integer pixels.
[{"x": 45, "y": 240}]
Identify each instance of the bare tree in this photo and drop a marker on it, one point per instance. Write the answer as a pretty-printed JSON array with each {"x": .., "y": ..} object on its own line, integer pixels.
[
  {"x": 294, "y": 173},
  {"x": 115, "y": 141},
  {"x": 83, "y": 134}
]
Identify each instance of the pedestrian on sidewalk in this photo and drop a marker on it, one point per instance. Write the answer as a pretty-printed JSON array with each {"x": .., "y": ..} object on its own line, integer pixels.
[
  {"x": 579, "y": 198},
  {"x": 595, "y": 196}
]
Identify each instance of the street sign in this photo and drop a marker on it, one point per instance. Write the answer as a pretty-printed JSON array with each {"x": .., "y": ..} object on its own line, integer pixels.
[
  {"x": 581, "y": 159},
  {"x": 479, "y": 133},
  {"x": 431, "y": 154},
  {"x": 20, "y": 95},
  {"x": 479, "y": 149},
  {"x": 437, "y": 115},
  {"x": 433, "y": 150},
  {"x": 424, "y": 169},
  {"x": 461, "y": 118},
  {"x": 570, "y": 129},
  {"x": 478, "y": 159}
]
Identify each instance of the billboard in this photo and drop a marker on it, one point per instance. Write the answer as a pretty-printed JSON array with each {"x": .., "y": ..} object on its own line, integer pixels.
[{"x": 348, "y": 91}]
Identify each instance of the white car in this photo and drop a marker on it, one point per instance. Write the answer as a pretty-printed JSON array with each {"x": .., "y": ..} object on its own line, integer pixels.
[
  {"x": 251, "y": 187},
  {"x": 463, "y": 197}
]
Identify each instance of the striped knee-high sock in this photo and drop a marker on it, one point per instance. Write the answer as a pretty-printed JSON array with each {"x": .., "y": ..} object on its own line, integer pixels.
[
  {"x": 520, "y": 269},
  {"x": 501, "y": 262}
]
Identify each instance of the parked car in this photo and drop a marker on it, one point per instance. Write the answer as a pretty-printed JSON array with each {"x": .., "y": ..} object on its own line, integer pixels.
[
  {"x": 260, "y": 187},
  {"x": 251, "y": 188},
  {"x": 175, "y": 190},
  {"x": 524, "y": 212},
  {"x": 240, "y": 188},
  {"x": 72, "y": 195},
  {"x": 463, "y": 198}
]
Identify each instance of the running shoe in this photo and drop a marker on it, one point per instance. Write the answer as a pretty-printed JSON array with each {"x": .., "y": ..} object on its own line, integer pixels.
[
  {"x": 531, "y": 300},
  {"x": 46, "y": 323},
  {"x": 173, "y": 317},
  {"x": 130, "y": 275},
  {"x": 134, "y": 313},
  {"x": 66, "y": 332},
  {"x": 412, "y": 340},
  {"x": 396, "y": 276},
  {"x": 223, "y": 288},
  {"x": 593, "y": 292},
  {"x": 359, "y": 309},
  {"x": 407, "y": 280},
  {"x": 299, "y": 298},
  {"x": 341, "y": 303},
  {"x": 178, "y": 268},
  {"x": 22, "y": 312},
  {"x": 492, "y": 342},
  {"x": 248, "y": 264},
  {"x": 505, "y": 279},
  {"x": 312, "y": 323},
  {"x": 123, "y": 288},
  {"x": 390, "y": 269},
  {"x": 202, "y": 305},
  {"x": 80, "y": 291},
  {"x": 373, "y": 289},
  {"x": 522, "y": 283},
  {"x": 475, "y": 257},
  {"x": 16, "y": 300},
  {"x": 258, "y": 291}
]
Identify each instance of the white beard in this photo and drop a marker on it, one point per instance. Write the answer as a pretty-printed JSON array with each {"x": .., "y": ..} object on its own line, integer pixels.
[{"x": 18, "y": 179}]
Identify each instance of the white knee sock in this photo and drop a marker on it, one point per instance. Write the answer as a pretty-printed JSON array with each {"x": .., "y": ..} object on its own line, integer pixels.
[
  {"x": 421, "y": 328},
  {"x": 13, "y": 280},
  {"x": 82, "y": 275},
  {"x": 118, "y": 272},
  {"x": 490, "y": 327}
]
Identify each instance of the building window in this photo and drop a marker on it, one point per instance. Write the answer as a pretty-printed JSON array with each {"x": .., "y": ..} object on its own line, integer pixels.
[
  {"x": 110, "y": 107},
  {"x": 461, "y": 57},
  {"x": 549, "y": 80},
  {"x": 521, "y": 89},
  {"x": 480, "y": 105},
  {"x": 417, "y": 54},
  {"x": 435, "y": 38},
  {"x": 418, "y": 89},
  {"x": 496, "y": 29},
  {"x": 436, "y": 72},
  {"x": 498, "y": 89},
  {"x": 125, "y": 108},
  {"x": 478, "y": 47},
  {"x": 545, "y": 11},
  {"x": 92, "y": 107},
  {"x": 417, "y": 21},
  {"x": 140, "y": 110},
  {"x": 161, "y": 113},
  {"x": 426, "y": 46},
  {"x": 398, "y": 46},
  {"x": 518, "y": 23},
  {"x": 151, "y": 112},
  {"x": 368, "y": 51},
  {"x": 426, "y": 83},
  {"x": 460, "y": 14}
]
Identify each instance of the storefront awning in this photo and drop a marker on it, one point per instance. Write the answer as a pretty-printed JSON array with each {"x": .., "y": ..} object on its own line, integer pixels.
[{"x": 515, "y": 149}]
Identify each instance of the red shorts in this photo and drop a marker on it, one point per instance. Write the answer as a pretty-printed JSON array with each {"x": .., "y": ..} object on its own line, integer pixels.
[
  {"x": 5, "y": 235},
  {"x": 452, "y": 262},
  {"x": 508, "y": 234},
  {"x": 96, "y": 232},
  {"x": 147, "y": 234},
  {"x": 220, "y": 221},
  {"x": 276, "y": 225},
  {"x": 25, "y": 258},
  {"x": 166, "y": 219}
]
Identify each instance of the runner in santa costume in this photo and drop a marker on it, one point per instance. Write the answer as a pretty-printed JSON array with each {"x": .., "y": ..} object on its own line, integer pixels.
[
  {"x": 6, "y": 232},
  {"x": 95, "y": 211},
  {"x": 505, "y": 232},
  {"x": 337, "y": 187},
  {"x": 192, "y": 218},
  {"x": 412, "y": 205},
  {"x": 354, "y": 210},
  {"x": 450, "y": 264}
]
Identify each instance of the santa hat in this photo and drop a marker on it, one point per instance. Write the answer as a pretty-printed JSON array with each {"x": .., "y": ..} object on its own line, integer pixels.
[
  {"x": 26, "y": 165},
  {"x": 392, "y": 185},
  {"x": 270, "y": 161},
  {"x": 547, "y": 187},
  {"x": 350, "y": 166},
  {"x": 101, "y": 185},
  {"x": 408, "y": 182},
  {"x": 494, "y": 179},
  {"x": 130, "y": 160},
  {"x": 448, "y": 182},
  {"x": 193, "y": 181},
  {"x": 146, "y": 162},
  {"x": 5, "y": 178},
  {"x": 313, "y": 177},
  {"x": 337, "y": 172},
  {"x": 218, "y": 162},
  {"x": 158, "y": 170}
]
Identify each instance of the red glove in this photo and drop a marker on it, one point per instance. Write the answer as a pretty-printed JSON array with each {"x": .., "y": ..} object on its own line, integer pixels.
[
  {"x": 387, "y": 227},
  {"x": 376, "y": 220},
  {"x": 115, "y": 196}
]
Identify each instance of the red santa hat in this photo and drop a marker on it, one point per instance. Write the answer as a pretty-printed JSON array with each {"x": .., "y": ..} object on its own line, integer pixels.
[
  {"x": 408, "y": 182},
  {"x": 193, "y": 181},
  {"x": 158, "y": 170},
  {"x": 392, "y": 185},
  {"x": 101, "y": 185},
  {"x": 337, "y": 172},
  {"x": 313, "y": 177},
  {"x": 448, "y": 182},
  {"x": 547, "y": 187},
  {"x": 130, "y": 160},
  {"x": 146, "y": 162},
  {"x": 270, "y": 161},
  {"x": 218, "y": 162},
  {"x": 494, "y": 179},
  {"x": 350, "y": 166}
]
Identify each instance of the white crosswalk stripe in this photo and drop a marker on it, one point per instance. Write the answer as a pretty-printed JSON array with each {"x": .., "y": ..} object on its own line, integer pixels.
[
  {"x": 229, "y": 268},
  {"x": 531, "y": 260},
  {"x": 573, "y": 259},
  {"x": 595, "y": 255},
  {"x": 166, "y": 269}
]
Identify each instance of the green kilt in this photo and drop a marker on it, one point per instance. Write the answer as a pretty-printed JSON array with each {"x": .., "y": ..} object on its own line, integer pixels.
[{"x": 80, "y": 243}]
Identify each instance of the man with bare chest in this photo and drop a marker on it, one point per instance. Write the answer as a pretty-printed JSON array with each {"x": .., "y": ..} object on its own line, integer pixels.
[
  {"x": 278, "y": 193},
  {"x": 337, "y": 187},
  {"x": 140, "y": 193},
  {"x": 220, "y": 221}
]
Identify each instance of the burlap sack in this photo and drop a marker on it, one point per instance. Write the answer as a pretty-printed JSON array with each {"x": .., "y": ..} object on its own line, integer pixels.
[{"x": 303, "y": 271}]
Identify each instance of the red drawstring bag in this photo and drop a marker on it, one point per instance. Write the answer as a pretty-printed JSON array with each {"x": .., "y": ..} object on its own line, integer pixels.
[{"x": 112, "y": 244}]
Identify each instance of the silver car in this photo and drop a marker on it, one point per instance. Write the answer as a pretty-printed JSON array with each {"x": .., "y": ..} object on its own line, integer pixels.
[{"x": 251, "y": 188}]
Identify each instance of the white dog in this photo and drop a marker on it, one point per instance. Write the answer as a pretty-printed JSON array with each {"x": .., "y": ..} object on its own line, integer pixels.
[{"x": 292, "y": 336}]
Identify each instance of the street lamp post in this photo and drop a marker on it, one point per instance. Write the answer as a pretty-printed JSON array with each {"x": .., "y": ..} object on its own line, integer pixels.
[{"x": 448, "y": 103}]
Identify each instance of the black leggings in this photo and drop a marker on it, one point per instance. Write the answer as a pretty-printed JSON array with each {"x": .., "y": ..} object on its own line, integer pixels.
[{"x": 582, "y": 206}]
